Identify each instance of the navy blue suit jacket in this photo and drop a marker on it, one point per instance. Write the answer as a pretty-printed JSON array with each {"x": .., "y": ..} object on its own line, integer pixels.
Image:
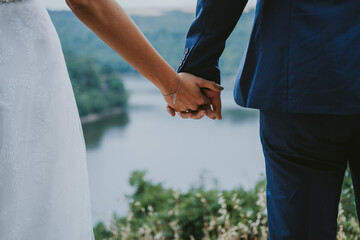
[{"x": 303, "y": 55}]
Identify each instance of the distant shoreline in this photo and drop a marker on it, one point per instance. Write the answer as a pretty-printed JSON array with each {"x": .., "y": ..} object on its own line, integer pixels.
[
  {"x": 95, "y": 117},
  {"x": 156, "y": 11}
]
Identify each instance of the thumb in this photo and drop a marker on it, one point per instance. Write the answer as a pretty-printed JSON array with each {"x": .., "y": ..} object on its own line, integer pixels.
[{"x": 202, "y": 83}]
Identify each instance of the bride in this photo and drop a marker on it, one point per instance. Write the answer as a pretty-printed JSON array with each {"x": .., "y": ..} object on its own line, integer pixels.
[{"x": 44, "y": 193}]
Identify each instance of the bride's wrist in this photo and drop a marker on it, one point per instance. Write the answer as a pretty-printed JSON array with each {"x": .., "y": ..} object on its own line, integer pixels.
[{"x": 171, "y": 86}]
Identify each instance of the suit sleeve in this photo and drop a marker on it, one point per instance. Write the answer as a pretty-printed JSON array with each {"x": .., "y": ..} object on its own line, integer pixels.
[{"x": 205, "y": 41}]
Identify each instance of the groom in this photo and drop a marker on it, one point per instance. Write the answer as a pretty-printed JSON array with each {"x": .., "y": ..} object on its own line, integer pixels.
[{"x": 302, "y": 70}]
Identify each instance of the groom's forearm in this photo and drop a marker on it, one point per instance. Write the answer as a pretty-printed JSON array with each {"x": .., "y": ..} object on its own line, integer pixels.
[
  {"x": 110, "y": 22},
  {"x": 205, "y": 42}
]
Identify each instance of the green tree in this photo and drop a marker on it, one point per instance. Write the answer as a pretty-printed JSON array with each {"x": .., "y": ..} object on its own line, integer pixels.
[{"x": 95, "y": 91}]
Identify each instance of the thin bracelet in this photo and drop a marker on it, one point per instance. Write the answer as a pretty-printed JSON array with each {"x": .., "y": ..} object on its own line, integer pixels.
[{"x": 174, "y": 94}]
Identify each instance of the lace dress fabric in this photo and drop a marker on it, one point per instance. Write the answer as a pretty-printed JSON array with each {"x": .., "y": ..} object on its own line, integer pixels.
[{"x": 44, "y": 192}]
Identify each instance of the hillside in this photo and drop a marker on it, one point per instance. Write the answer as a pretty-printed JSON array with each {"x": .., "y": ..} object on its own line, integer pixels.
[{"x": 166, "y": 32}]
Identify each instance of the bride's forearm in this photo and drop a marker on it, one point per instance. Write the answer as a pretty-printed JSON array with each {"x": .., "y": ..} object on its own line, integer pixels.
[{"x": 109, "y": 21}]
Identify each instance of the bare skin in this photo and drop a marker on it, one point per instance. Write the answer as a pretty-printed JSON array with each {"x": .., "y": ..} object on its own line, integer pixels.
[
  {"x": 205, "y": 110},
  {"x": 110, "y": 22}
]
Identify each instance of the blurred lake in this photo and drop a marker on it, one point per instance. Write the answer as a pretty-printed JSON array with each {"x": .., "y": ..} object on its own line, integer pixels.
[{"x": 173, "y": 151}]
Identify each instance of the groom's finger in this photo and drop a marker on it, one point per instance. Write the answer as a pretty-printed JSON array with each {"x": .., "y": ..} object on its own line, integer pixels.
[
  {"x": 216, "y": 104},
  {"x": 208, "y": 111},
  {"x": 202, "y": 83},
  {"x": 210, "y": 114}
]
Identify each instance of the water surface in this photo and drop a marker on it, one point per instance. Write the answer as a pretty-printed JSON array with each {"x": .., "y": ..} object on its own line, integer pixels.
[{"x": 172, "y": 150}]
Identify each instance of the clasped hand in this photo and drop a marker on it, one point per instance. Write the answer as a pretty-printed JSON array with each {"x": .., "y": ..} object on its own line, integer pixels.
[{"x": 195, "y": 98}]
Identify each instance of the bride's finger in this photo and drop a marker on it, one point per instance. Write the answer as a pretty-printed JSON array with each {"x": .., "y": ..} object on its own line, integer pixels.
[
  {"x": 196, "y": 115},
  {"x": 170, "y": 110},
  {"x": 183, "y": 115},
  {"x": 179, "y": 106}
]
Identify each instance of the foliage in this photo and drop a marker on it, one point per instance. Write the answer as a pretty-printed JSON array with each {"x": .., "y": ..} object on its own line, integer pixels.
[
  {"x": 160, "y": 213},
  {"x": 347, "y": 219},
  {"x": 96, "y": 88},
  {"x": 94, "y": 67},
  {"x": 166, "y": 32}
]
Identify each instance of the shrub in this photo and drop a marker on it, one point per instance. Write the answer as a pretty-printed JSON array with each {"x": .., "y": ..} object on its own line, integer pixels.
[{"x": 159, "y": 213}]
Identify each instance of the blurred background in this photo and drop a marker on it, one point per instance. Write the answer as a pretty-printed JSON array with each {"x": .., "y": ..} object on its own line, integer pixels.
[{"x": 126, "y": 126}]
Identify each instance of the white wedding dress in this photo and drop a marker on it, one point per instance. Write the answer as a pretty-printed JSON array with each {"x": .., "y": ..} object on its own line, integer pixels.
[{"x": 44, "y": 192}]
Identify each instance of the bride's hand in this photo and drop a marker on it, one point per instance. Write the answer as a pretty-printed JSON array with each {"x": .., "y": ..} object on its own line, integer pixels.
[
  {"x": 212, "y": 111},
  {"x": 188, "y": 96}
]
